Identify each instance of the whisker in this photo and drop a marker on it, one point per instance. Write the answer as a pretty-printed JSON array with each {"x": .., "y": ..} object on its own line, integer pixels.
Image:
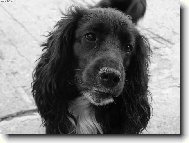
[{"x": 77, "y": 69}]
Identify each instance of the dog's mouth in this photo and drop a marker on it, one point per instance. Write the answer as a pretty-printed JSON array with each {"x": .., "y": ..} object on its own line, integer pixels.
[
  {"x": 99, "y": 97},
  {"x": 101, "y": 85}
]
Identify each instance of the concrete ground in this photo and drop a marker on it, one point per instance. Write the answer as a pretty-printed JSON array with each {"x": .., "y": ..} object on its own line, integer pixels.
[{"x": 22, "y": 26}]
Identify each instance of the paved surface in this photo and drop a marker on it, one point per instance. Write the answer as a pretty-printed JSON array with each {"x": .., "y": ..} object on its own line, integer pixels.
[{"x": 22, "y": 24}]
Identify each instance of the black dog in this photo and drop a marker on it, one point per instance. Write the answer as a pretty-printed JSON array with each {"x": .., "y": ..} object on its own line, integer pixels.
[{"x": 93, "y": 75}]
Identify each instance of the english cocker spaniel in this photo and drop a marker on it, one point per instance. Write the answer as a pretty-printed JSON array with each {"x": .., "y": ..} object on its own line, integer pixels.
[{"x": 92, "y": 77}]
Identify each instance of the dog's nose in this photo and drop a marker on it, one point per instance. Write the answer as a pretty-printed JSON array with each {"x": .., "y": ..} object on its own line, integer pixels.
[{"x": 109, "y": 77}]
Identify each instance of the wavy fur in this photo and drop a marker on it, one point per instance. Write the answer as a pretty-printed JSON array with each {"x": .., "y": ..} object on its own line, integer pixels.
[{"x": 62, "y": 106}]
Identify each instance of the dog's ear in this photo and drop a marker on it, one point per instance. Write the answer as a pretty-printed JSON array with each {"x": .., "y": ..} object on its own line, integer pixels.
[
  {"x": 140, "y": 61},
  {"x": 137, "y": 86},
  {"x": 56, "y": 58},
  {"x": 135, "y": 8}
]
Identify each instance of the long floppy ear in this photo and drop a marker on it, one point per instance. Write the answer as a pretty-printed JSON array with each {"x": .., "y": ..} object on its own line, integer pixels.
[
  {"x": 138, "y": 107},
  {"x": 53, "y": 67}
]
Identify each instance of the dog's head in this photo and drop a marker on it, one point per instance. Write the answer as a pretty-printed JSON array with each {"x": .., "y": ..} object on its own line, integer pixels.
[
  {"x": 96, "y": 53},
  {"x": 104, "y": 42}
]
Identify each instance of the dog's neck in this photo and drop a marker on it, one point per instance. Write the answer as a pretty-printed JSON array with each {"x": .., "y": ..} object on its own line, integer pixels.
[{"x": 84, "y": 114}]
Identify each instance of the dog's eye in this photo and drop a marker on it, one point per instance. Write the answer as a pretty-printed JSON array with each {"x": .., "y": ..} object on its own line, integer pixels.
[
  {"x": 90, "y": 36},
  {"x": 129, "y": 48}
]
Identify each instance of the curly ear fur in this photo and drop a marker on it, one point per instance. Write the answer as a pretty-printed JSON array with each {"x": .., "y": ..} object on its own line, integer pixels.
[
  {"x": 136, "y": 91},
  {"x": 47, "y": 80}
]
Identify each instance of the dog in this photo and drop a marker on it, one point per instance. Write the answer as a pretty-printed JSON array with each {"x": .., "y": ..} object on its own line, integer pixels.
[{"x": 92, "y": 77}]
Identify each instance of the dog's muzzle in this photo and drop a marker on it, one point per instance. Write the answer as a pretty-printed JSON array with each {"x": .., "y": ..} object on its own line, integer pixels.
[{"x": 104, "y": 80}]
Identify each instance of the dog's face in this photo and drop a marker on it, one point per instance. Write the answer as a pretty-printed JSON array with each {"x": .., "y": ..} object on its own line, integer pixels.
[
  {"x": 104, "y": 44},
  {"x": 93, "y": 57}
]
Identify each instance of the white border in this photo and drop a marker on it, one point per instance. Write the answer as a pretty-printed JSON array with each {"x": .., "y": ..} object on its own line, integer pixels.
[{"x": 130, "y": 139}]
